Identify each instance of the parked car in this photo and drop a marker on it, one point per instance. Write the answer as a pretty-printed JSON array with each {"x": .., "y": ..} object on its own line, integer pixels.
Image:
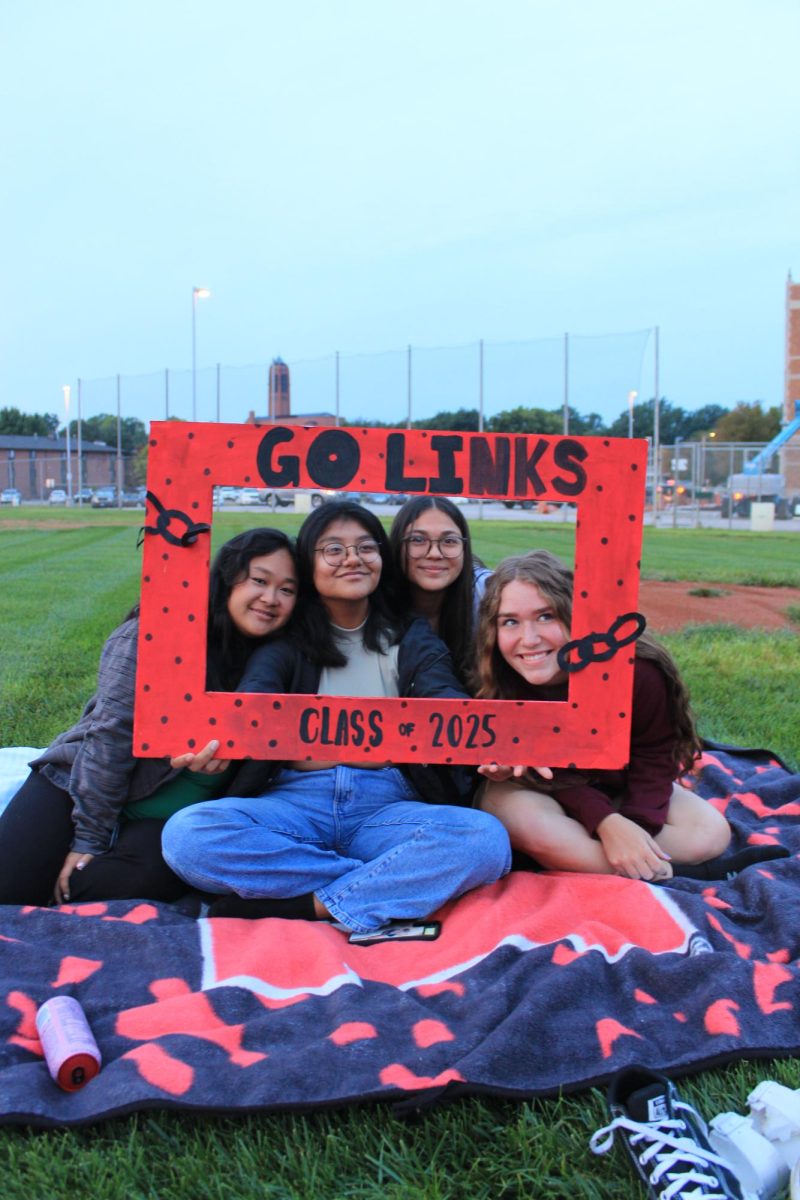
[
  {"x": 105, "y": 497},
  {"x": 304, "y": 499},
  {"x": 10, "y": 496},
  {"x": 57, "y": 496},
  {"x": 384, "y": 497},
  {"x": 226, "y": 495},
  {"x": 132, "y": 499},
  {"x": 249, "y": 496},
  {"x": 84, "y": 495}
]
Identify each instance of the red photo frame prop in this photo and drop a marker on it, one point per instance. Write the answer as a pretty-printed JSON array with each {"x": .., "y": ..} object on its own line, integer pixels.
[{"x": 605, "y": 477}]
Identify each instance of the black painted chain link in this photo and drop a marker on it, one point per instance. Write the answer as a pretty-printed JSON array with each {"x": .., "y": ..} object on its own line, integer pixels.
[{"x": 586, "y": 647}]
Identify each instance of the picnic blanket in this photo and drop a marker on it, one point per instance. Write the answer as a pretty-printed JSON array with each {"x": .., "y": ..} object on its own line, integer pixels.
[{"x": 537, "y": 983}]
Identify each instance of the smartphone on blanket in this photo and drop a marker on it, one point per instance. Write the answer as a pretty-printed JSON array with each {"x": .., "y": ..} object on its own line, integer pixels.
[{"x": 403, "y": 931}]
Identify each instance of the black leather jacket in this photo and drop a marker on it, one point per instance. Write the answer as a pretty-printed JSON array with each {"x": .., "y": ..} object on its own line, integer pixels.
[{"x": 424, "y": 669}]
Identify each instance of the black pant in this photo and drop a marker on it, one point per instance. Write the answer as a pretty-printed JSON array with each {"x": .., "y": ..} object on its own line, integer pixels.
[{"x": 36, "y": 832}]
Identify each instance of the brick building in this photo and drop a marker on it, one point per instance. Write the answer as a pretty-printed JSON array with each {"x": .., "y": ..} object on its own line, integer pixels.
[
  {"x": 35, "y": 465},
  {"x": 790, "y": 454},
  {"x": 280, "y": 402}
]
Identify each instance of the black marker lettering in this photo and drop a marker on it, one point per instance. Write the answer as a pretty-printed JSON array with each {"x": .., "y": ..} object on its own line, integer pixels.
[
  {"x": 375, "y": 720},
  {"x": 568, "y": 455},
  {"x": 357, "y": 727},
  {"x": 289, "y": 471},
  {"x": 446, "y": 483},
  {"x": 525, "y": 466},
  {"x": 395, "y": 465},
  {"x": 306, "y": 718},
  {"x": 489, "y": 466},
  {"x": 333, "y": 458}
]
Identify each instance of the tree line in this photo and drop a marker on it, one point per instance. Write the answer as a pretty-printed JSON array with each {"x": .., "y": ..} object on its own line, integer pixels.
[{"x": 745, "y": 422}]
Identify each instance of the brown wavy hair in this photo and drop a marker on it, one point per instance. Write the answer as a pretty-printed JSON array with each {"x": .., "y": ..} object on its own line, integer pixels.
[{"x": 496, "y": 680}]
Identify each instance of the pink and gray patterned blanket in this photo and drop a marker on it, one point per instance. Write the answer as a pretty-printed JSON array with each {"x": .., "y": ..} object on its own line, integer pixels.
[{"x": 537, "y": 983}]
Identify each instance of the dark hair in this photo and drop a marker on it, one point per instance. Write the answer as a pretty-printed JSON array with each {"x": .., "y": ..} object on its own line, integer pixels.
[
  {"x": 456, "y": 616},
  {"x": 495, "y": 679},
  {"x": 227, "y": 649},
  {"x": 313, "y": 629}
]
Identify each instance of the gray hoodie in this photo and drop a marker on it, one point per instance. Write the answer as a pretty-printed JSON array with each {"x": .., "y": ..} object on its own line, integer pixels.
[{"x": 93, "y": 761}]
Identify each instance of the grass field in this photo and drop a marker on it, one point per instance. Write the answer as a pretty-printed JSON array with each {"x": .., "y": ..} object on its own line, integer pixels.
[{"x": 65, "y": 580}]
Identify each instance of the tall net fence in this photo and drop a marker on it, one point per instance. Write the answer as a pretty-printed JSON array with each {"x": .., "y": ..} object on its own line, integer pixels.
[{"x": 588, "y": 373}]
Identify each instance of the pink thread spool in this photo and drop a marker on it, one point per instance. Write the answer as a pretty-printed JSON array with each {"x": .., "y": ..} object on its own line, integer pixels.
[{"x": 70, "y": 1051}]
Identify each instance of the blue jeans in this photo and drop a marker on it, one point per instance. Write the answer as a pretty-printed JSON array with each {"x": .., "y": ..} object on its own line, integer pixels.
[{"x": 361, "y": 840}]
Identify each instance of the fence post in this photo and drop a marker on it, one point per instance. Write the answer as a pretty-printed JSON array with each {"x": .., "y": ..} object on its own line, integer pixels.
[
  {"x": 676, "y": 475},
  {"x": 80, "y": 450},
  {"x": 566, "y": 384},
  {"x": 656, "y": 429},
  {"x": 480, "y": 408},
  {"x": 119, "y": 444}
]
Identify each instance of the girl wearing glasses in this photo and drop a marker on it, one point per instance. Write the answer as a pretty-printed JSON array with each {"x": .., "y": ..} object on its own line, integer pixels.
[
  {"x": 438, "y": 577},
  {"x": 640, "y": 821},
  {"x": 358, "y": 842},
  {"x": 86, "y": 824}
]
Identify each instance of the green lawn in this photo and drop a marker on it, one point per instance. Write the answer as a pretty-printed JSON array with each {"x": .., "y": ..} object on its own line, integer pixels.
[{"x": 62, "y": 589}]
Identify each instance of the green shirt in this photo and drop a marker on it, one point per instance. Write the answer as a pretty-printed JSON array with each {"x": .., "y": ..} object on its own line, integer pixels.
[{"x": 190, "y": 787}]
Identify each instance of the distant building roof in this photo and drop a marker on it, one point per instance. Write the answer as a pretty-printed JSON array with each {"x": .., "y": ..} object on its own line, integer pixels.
[
  {"x": 15, "y": 441},
  {"x": 316, "y": 418}
]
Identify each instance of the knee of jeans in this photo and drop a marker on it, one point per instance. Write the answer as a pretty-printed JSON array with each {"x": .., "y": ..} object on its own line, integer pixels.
[
  {"x": 481, "y": 837},
  {"x": 178, "y": 838},
  {"x": 492, "y": 838}
]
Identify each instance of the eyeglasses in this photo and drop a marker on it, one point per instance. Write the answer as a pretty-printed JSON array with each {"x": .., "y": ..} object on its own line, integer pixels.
[
  {"x": 451, "y": 545},
  {"x": 335, "y": 553}
]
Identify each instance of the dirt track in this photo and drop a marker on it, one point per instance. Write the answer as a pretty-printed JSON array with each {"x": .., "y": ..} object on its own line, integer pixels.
[{"x": 670, "y": 606}]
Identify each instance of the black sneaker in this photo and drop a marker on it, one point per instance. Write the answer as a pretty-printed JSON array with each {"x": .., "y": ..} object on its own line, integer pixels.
[{"x": 666, "y": 1139}]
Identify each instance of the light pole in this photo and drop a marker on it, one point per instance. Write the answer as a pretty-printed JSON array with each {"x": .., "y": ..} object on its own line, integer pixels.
[
  {"x": 198, "y": 293},
  {"x": 703, "y": 469},
  {"x": 676, "y": 474},
  {"x": 66, "y": 390},
  {"x": 632, "y": 397}
]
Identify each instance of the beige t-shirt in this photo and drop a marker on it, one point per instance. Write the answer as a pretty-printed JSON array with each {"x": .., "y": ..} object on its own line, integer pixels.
[{"x": 366, "y": 673}]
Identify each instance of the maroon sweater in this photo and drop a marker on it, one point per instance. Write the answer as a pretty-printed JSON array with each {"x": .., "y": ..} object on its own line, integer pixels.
[{"x": 641, "y": 790}]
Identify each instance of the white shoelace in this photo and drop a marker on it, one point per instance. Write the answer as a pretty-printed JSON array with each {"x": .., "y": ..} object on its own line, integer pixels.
[{"x": 675, "y": 1162}]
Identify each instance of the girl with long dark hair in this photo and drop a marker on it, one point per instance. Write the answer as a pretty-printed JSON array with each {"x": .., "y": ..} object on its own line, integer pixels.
[
  {"x": 86, "y": 824},
  {"x": 356, "y": 842},
  {"x": 437, "y": 575}
]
